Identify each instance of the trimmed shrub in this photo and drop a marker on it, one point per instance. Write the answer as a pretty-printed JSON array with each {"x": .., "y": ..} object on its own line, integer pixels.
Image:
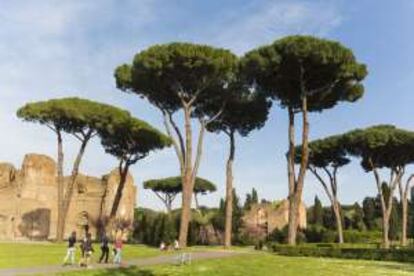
[
  {"x": 398, "y": 255},
  {"x": 318, "y": 233},
  {"x": 354, "y": 236}
]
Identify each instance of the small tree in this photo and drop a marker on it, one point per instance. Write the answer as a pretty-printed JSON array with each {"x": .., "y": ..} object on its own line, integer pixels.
[
  {"x": 80, "y": 118},
  {"x": 244, "y": 112},
  {"x": 385, "y": 147},
  {"x": 369, "y": 209},
  {"x": 166, "y": 189},
  {"x": 255, "y": 197},
  {"x": 327, "y": 156},
  {"x": 317, "y": 212},
  {"x": 182, "y": 77},
  {"x": 304, "y": 74},
  {"x": 251, "y": 199},
  {"x": 358, "y": 218},
  {"x": 130, "y": 140}
]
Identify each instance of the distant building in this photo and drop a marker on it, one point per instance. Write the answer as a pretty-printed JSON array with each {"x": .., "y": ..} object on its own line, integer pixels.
[
  {"x": 263, "y": 218},
  {"x": 28, "y": 201}
]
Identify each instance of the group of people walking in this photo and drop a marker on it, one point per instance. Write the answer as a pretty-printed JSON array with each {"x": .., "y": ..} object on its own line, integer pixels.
[{"x": 87, "y": 250}]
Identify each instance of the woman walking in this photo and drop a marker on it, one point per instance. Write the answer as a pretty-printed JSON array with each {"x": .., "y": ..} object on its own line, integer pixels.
[
  {"x": 118, "y": 244},
  {"x": 70, "y": 253}
]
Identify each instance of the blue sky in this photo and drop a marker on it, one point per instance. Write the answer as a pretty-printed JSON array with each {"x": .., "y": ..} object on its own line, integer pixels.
[{"x": 62, "y": 48}]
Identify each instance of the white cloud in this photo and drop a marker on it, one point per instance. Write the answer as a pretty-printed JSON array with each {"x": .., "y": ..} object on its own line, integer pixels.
[{"x": 275, "y": 19}]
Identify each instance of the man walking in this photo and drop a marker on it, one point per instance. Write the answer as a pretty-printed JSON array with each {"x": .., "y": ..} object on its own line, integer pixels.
[{"x": 104, "y": 248}]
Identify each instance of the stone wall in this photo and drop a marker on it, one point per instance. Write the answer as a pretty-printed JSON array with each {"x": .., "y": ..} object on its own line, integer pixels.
[
  {"x": 262, "y": 219},
  {"x": 28, "y": 200}
]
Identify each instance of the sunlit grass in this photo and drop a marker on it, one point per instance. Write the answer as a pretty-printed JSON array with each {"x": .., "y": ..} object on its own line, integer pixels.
[
  {"x": 262, "y": 264},
  {"x": 41, "y": 254}
]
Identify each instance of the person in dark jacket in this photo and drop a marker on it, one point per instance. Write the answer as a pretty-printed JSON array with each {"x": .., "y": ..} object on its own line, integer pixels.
[
  {"x": 88, "y": 248},
  {"x": 104, "y": 248}
]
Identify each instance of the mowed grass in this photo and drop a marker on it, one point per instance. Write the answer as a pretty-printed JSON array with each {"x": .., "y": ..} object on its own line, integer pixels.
[
  {"x": 263, "y": 264},
  {"x": 14, "y": 255}
]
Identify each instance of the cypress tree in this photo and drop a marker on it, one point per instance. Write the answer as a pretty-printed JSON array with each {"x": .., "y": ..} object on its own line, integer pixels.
[{"x": 317, "y": 212}]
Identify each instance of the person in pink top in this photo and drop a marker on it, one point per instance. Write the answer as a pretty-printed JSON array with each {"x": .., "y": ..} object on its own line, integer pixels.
[{"x": 118, "y": 244}]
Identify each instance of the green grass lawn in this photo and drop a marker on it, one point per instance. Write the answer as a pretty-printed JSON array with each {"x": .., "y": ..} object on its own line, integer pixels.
[
  {"x": 249, "y": 262},
  {"x": 40, "y": 254},
  {"x": 263, "y": 264}
]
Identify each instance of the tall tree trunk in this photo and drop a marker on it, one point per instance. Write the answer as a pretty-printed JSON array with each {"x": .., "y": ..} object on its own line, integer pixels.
[
  {"x": 188, "y": 183},
  {"x": 291, "y": 178},
  {"x": 386, "y": 203},
  {"x": 294, "y": 208},
  {"x": 332, "y": 196},
  {"x": 123, "y": 173},
  {"x": 404, "y": 222},
  {"x": 60, "y": 189},
  {"x": 229, "y": 193},
  {"x": 337, "y": 211},
  {"x": 385, "y": 230},
  {"x": 404, "y": 202},
  {"x": 69, "y": 189},
  {"x": 404, "y": 211}
]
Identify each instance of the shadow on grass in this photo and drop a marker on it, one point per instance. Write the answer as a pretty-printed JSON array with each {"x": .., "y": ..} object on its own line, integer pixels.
[
  {"x": 133, "y": 270},
  {"x": 396, "y": 266}
]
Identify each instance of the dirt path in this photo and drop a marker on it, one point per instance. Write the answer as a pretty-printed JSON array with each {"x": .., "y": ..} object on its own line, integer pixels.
[{"x": 165, "y": 259}]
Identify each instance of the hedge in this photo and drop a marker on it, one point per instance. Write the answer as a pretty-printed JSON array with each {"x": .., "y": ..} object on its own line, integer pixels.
[{"x": 398, "y": 255}]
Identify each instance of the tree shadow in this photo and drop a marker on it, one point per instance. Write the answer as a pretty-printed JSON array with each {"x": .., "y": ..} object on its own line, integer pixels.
[
  {"x": 130, "y": 271},
  {"x": 406, "y": 267}
]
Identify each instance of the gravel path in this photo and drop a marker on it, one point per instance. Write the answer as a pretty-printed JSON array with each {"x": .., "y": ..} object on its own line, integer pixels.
[{"x": 165, "y": 259}]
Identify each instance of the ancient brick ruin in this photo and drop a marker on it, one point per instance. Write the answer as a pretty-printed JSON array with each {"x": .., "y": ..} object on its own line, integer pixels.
[
  {"x": 28, "y": 200},
  {"x": 262, "y": 219}
]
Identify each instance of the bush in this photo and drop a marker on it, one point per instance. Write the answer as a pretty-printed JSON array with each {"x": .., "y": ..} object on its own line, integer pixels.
[
  {"x": 281, "y": 235},
  {"x": 354, "y": 236},
  {"x": 398, "y": 255},
  {"x": 278, "y": 235},
  {"x": 318, "y": 233}
]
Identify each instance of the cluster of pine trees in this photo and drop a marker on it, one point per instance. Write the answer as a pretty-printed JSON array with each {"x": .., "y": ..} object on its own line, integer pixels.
[{"x": 152, "y": 227}]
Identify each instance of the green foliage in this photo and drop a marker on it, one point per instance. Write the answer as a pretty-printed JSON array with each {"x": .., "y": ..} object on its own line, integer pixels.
[
  {"x": 251, "y": 198},
  {"x": 318, "y": 233},
  {"x": 328, "y": 218},
  {"x": 174, "y": 185},
  {"x": 73, "y": 115},
  {"x": 132, "y": 139},
  {"x": 244, "y": 111},
  {"x": 355, "y": 236},
  {"x": 296, "y": 66},
  {"x": 281, "y": 235},
  {"x": 255, "y": 197},
  {"x": 371, "y": 211},
  {"x": 326, "y": 152},
  {"x": 399, "y": 255},
  {"x": 317, "y": 212},
  {"x": 166, "y": 74},
  {"x": 357, "y": 221},
  {"x": 278, "y": 235},
  {"x": 395, "y": 221},
  {"x": 236, "y": 218},
  {"x": 383, "y": 145}
]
